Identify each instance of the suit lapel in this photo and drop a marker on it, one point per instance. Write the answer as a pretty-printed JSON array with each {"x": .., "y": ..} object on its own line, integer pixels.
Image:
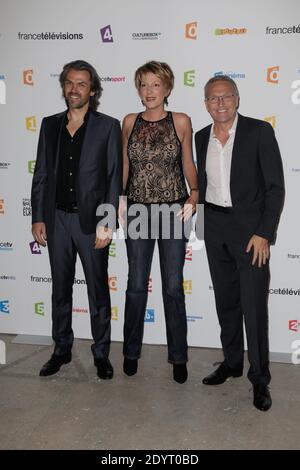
[
  {"x": 92, "y": 129},
  {"x": 236, "y": 156},
  {"x": 57, "y": 137}
]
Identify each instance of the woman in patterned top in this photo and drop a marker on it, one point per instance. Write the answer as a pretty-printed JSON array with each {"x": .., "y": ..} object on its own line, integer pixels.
[{"x": 157, "y": 149}]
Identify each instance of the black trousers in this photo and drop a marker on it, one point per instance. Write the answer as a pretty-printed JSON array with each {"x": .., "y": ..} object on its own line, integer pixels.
[
  {"x": 68, "y": 240},
  {"x": 241, "y": 291}
]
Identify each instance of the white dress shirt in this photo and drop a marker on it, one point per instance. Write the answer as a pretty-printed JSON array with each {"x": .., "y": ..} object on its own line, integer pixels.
[{"x": 218, "y": 166}]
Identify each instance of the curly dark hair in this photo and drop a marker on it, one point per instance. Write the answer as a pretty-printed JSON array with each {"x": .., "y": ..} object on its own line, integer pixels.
[{"x": 95, "y": 79}]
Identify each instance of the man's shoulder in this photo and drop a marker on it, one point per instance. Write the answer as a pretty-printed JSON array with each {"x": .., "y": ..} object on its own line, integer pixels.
[
  {"x": 203, "y": 132},
  {"x": 104, "y": 117},
  {"x": 251, "y": 122}
]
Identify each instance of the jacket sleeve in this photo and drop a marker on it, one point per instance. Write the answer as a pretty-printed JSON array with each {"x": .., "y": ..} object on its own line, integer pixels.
[
  {"x": 272, "y": 171},
  {"x": 39, "y": 179},
  {"x": 108, "y": 211}
]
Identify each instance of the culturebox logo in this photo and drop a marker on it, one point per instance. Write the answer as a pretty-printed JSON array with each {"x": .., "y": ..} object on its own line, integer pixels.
[
  {"x": 28, "y": 77},
  {"x": 6, "y": 246},
  {"x": 39, "y": 308},
  {"x": 149, "y": 315},
  {"x": 2, "y": 206},
  {"x": 273, "y": 74},
  {"x": 295, "y": 97},
  {"x": 4, "y": 165},
  {"x": 31, "y": 166},
  {"x": 230, "y": 31},
  {"x": 146, "y": 36},
  {"x": 30, "y": 123},
  {"x": 5, "y": 277},
  {"x": 106, "y": 34},
  {"x": 271, "y": 120},
  {"x": 189, "y": 77},
  {"x": 294, "y": 325},
  {"x": 190, "y": 31},
  {"x": 4, "y": 307},
  {"x": 2, "y": 90},
  {"x": 35, "y": 248}
]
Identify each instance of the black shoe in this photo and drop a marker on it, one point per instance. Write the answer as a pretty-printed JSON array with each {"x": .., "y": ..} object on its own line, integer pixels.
[
  {"x": 130, "y": 366},
  {"x": 180, "y": 373},
  {"x": 221, "y": 374},
  {"x": 54, "y": 364},
  {"x": 104, "y": 368},
  {"x": 261, "y": 397}
]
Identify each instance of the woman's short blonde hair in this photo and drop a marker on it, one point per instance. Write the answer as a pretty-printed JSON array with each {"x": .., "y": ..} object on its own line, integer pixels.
[{"x": 160, "y": 69}]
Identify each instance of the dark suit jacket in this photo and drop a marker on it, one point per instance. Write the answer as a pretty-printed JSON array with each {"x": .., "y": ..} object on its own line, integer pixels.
[
  {"x": 99, "y": 179},
  {"x": 256, "y": 178}
]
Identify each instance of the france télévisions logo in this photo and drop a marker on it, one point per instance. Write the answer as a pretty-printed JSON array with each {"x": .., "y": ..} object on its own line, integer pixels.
[
  {"x": 150, "y": 315},
  {"x": 106, "y": 34},
  {"x": 4, "y": 307},
  {"x": 35, "y": 248}
]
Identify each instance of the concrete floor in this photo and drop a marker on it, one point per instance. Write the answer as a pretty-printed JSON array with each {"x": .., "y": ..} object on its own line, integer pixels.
[{"x": 75, "y": 410}]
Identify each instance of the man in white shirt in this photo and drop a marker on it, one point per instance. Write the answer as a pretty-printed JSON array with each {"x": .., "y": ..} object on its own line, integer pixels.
[{"x": 241, "y": 186}]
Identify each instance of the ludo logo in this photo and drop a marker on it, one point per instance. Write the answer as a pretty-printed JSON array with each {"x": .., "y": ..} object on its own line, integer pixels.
[
  {"x": 106, "y": 34},
  {"x": 189, "y": 78},
  {"x": 272, "y": 74},
  {"x": 28, "y": 77},
  {"x": 115, "y": 313},
  {"x": 30, "y": 123},
  {"x": 2, "y": 90},
  {"x": 191, "y": 30},
  {"x": 39, "y": 308},
  {"x": 188, "y": 287},
  {"x": 296, "y": 94}
]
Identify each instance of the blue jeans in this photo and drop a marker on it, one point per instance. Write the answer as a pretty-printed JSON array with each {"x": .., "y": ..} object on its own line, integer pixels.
[{"x": 172, "y": 257}]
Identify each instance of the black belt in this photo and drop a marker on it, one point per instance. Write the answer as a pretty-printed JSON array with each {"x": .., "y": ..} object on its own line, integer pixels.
[
  {"x": 214, "y": 207},
  {"x": 72, "y": 209}
]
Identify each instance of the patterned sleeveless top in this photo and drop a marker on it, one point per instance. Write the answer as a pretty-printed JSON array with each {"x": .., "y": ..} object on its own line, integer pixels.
[{"x": 155, "y": 162}]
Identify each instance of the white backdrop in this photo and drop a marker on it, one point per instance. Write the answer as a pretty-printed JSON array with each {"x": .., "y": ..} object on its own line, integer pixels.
[{"x": 257, "y": 43}]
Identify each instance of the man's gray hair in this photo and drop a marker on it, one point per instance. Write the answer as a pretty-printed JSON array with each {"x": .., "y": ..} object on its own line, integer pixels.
[{"x": 221, "y": 78}]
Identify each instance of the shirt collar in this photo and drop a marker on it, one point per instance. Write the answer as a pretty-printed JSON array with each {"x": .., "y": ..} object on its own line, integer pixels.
[{"x": 231, "y": 130}]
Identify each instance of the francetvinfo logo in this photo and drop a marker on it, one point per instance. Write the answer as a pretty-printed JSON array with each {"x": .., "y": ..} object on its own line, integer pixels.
[
  {"x": 273, "y": 74},
  {"x": 2, "y": 90},
  {"x": 28, "y": 77},
  {"x": 190, "y": 31}
]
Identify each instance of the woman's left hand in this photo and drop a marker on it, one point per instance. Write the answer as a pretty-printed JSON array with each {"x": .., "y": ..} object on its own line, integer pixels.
[{"x": 188, "y": 209}]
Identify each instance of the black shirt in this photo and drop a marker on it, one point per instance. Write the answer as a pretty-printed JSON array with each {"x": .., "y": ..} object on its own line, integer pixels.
[{"x": 69, "y": 156}]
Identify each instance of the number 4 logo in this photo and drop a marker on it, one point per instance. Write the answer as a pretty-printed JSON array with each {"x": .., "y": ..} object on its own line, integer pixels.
[{"x": 106, "y": 34}]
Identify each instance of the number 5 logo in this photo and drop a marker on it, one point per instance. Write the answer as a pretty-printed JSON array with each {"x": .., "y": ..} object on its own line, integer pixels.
[{"x": 106, "y": 34}]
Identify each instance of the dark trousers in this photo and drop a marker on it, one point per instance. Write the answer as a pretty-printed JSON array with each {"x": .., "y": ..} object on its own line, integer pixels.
[
  {"x": 68, "y": 240},
  {"x": 172, "y": 256},
  {"x": 241, "y": 290}
]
